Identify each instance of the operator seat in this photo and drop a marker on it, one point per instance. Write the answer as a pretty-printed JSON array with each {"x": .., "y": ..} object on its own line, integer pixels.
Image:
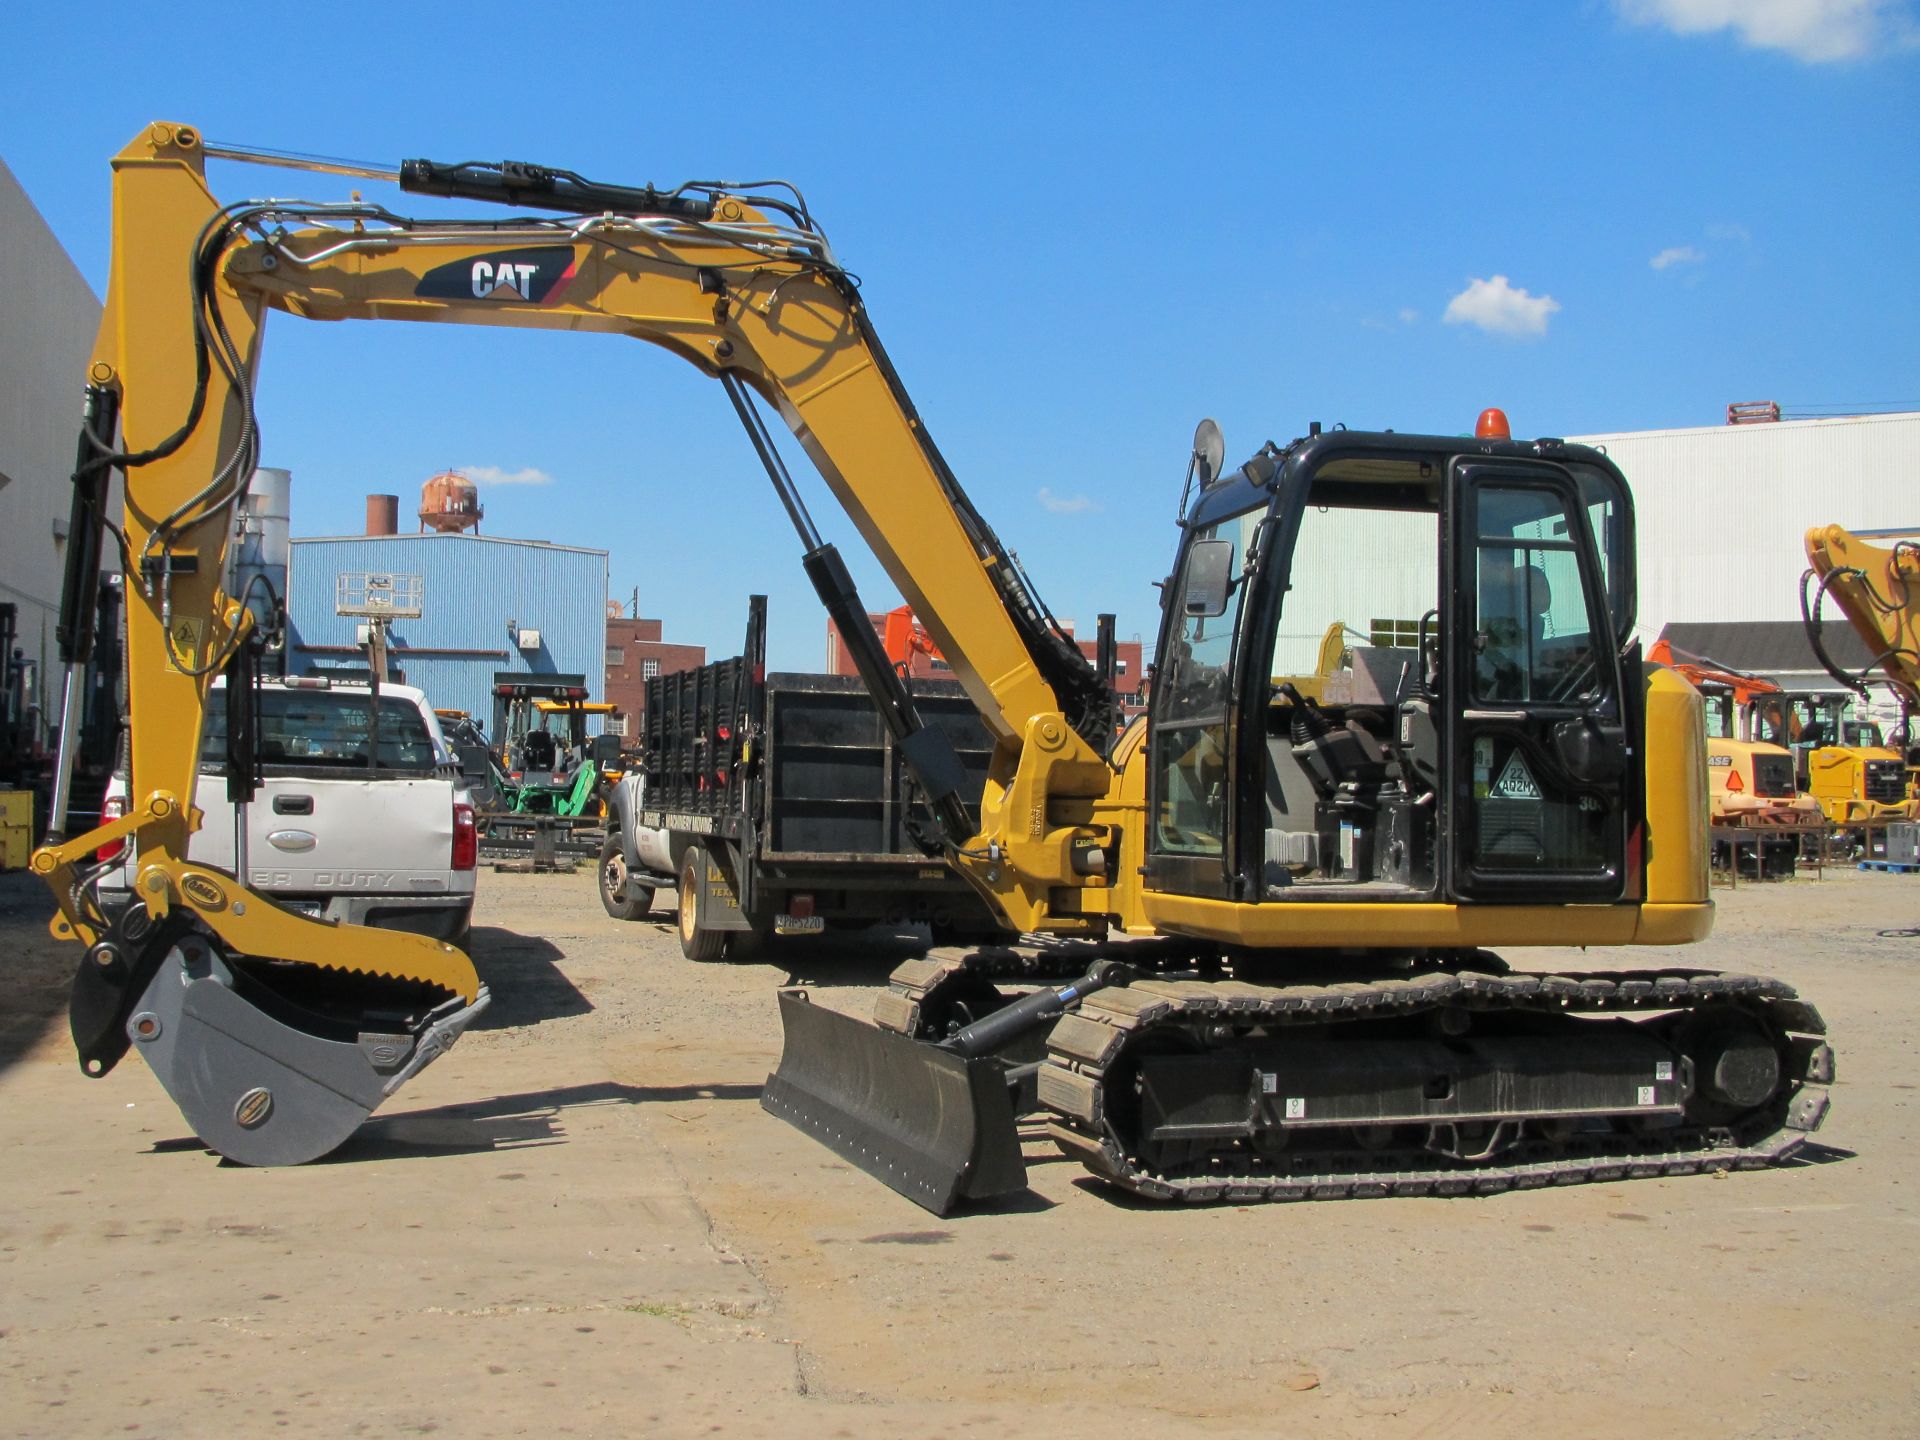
[
  {"x": 1513, "y": 627},
  {"x": 1348, "y": 754},
  {"x": 538, "y": 750}
]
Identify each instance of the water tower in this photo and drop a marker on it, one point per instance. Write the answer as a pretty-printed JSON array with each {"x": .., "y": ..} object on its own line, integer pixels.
[{"x": 450, "y": 503}]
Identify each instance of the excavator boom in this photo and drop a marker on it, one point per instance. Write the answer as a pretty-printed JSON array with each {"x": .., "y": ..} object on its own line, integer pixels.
[{"x": 1877, "y": 589}]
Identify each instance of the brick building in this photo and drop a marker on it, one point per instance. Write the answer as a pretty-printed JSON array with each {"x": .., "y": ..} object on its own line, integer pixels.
[
  {"x": 635, "y": 654},
  {"x": 1129, "y": 681}
]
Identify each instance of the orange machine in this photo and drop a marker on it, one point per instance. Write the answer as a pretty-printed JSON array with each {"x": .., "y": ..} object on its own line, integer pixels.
[{"x": 1751, "y": 782}]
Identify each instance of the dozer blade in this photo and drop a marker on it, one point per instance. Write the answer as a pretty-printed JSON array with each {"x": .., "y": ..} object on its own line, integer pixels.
[
  {"x": 933, "y": 1125},
  {"x": 255, "y": 1083}
]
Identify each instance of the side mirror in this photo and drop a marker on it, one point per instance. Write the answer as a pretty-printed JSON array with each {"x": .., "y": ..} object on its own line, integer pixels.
[
  {"x": 1209, "y": 581},
  {"x": 1209, "y": 449}
]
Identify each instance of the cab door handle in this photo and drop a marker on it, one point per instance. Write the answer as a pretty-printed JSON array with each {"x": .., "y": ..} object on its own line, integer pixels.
[{"x": 293, "y": 805}]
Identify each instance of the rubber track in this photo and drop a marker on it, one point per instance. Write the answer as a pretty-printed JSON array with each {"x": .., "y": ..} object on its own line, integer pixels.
[{"x": 1084, "y": 1044}]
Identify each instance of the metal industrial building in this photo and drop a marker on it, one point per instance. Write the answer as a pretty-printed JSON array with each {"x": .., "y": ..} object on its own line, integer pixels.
[
  {"x": 636, "y": 653},
  {"x": 487, "y": 604},
  {"x": 1723, "y": 509},
  {"x": 47, "y": 325}
]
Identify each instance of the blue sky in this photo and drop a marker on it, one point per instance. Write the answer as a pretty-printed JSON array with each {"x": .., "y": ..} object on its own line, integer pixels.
[{"x": 1079, "y": 229}]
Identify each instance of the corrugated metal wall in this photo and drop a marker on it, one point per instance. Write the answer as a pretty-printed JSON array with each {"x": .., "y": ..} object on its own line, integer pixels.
[
  {"x": 1723, "y": 509},
  {"x": 47, "y": 324},
  {"x": 473, "y": 586}
]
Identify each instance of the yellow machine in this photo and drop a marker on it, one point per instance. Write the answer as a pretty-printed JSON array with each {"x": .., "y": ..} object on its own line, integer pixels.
[
  {"x": 1878, "y": 591},
  {"x": 1842, "y": 763},
  {"x": 1752, "y": 784},
  {"x": 1320, "y": 1016}
]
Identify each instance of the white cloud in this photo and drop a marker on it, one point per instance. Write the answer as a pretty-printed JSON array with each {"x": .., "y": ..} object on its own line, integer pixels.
[
  {"x": 1677, "y": 255},
  {"x": 1815, "y": 31},
  {"x": 1729, "y": 230},
  {"x": 1064, "y": 504},
  {"x": 1500, "y": 309},
  {"x": 1409, "y": 316},
  {"x": 494, "y": 475}
]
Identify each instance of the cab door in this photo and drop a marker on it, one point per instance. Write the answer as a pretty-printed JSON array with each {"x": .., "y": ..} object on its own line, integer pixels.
[{"x": 1542, "y": 792}]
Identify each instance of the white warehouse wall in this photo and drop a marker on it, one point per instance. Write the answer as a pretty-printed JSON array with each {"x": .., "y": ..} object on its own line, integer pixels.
[
  {"x": 1723, "y": 510},
  {"x": 47, "y": 324}
]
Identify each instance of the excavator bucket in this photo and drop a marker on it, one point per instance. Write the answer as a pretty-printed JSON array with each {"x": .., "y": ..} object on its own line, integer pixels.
[
  {"x": 936, "y": 1126},
  {"x": 259, "y": 1082}
]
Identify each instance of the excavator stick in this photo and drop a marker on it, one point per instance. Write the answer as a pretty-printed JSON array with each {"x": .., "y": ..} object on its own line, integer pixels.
[{"x": 935, "y": 1125}]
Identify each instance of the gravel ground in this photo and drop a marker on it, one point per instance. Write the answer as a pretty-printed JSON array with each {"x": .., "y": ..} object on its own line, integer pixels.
[{"x": 581, "y": 1222}]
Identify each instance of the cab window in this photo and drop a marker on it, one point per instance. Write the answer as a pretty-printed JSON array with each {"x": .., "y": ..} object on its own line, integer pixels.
[
  {"x": 1534, "y": 637},
  {"x": 326, "y": 729},
  {"x": 1193, "y": 691}
]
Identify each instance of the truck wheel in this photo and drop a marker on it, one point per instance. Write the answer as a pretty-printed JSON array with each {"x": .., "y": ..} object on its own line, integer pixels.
[
  {"x": 697, "y": 940},
  {"x": 618, "y": 895}
]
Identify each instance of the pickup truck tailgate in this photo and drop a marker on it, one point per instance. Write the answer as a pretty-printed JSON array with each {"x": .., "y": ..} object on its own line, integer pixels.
[{"x": 390, "y": 836}]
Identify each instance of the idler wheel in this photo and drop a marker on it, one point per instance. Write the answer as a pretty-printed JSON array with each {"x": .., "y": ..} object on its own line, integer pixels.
[{"x": 1736, "y": 1063}]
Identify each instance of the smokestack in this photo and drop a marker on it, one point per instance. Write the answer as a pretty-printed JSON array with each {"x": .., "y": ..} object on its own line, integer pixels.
[{"x": 383, "y": 514}]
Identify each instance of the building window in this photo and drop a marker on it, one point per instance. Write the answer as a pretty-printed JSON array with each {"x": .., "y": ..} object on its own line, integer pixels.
[
  {"x": 1400, "y": 634},
  {"x": 649, "y": 669},
  {"x": 616, "y": 656},
  {"x": 616, "y": 725}
]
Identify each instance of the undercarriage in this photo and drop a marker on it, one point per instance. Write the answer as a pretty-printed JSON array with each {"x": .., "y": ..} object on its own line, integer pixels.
[{"x": 1447, "y": 1076}]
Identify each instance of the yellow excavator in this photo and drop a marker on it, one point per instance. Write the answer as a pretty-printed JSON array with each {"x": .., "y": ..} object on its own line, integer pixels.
[
  {"x": 1752, "y": 783},
  {"x": 1877, "y": 590},
  {"x": 1295, "y": 998}
]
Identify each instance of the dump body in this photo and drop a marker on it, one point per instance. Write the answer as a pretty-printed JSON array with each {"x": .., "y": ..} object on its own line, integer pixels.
[{"x": 794, "y": 790}]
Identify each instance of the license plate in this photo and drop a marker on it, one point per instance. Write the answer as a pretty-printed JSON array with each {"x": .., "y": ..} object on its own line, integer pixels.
[{"x": 800, "y": 924}]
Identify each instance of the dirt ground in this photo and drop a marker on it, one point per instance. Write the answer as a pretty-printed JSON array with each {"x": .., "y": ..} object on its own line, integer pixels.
[{"x": 581, "y": 1223}]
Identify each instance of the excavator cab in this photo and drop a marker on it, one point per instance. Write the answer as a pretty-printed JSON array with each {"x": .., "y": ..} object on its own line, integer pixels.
[{"x": 1478, "y": 742}]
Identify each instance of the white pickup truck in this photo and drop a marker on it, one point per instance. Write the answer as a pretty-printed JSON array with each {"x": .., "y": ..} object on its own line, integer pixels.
[{"x": 329, "y": 834}]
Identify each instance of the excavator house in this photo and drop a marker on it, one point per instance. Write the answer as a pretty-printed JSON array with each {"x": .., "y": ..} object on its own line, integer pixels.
[{"x": 1284, "y": 885}]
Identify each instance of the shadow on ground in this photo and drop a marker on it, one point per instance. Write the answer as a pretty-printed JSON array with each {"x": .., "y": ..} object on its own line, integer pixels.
[
  {"x": 38, "y": 971},
  {"x": 523, "y": 975},
  {"x": 508, "y": 1122},
  {"x": 845, "y": 957},
  {"x": 504, "y": 1122}
]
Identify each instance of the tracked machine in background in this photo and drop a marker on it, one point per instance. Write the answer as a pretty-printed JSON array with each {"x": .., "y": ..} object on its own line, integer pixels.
[
  {"x": 1877, "y": 590},
  {"x": 1319, "y": 1014}
]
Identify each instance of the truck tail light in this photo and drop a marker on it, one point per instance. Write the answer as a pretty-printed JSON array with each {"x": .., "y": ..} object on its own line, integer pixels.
[
  {"x": 466, "y": 840},
  {"x": 112, "y": 808}
]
